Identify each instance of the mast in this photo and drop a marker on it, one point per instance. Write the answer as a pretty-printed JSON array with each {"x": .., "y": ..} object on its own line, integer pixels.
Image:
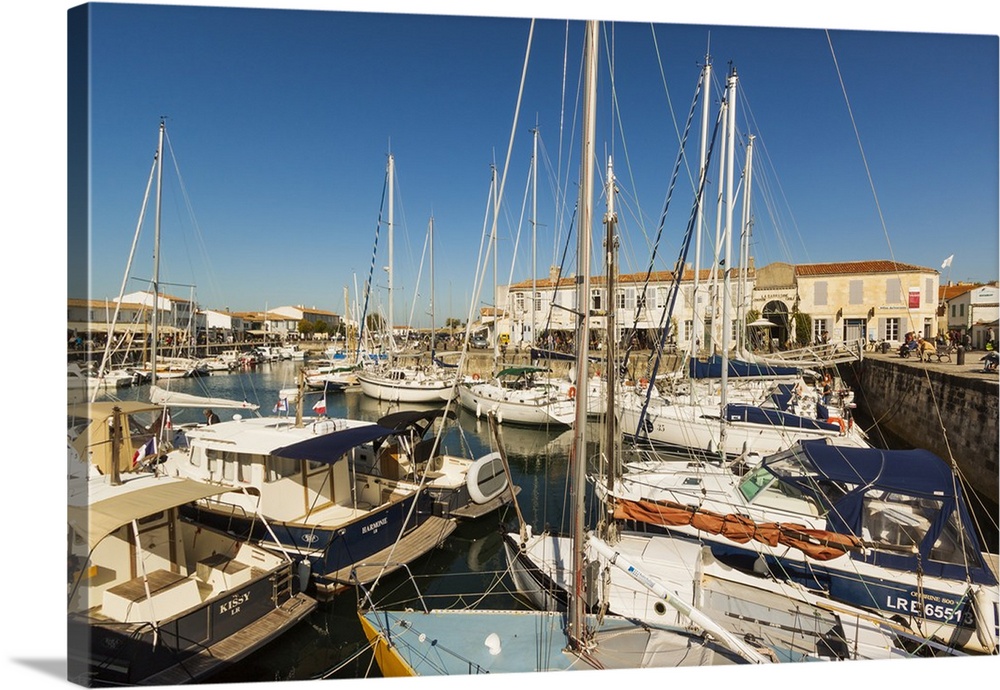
[
  {"x": 698, "y": 317},
  {"x": 156, "y": 256},
  {"x": 747, "y": 226},
  {"x": 391, "y": 174},
  {"x": 578, "y": 459},
  {"x": 534, "y": 226},
  {"x": 430, "y": 239},
  {"x": 727, "y": 272},
  {"x": 611, "y": 342}
]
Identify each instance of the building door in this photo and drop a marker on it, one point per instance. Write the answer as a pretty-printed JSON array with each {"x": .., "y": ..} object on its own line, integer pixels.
[{"x": 854, "y": 330}]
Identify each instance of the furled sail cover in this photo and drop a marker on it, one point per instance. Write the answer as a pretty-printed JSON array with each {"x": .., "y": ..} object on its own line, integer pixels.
[{"x": 160, "y": 396}]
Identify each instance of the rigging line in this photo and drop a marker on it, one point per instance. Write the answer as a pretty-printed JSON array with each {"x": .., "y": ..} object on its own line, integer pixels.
[
  {"x": 675, "y": 285},
  {"x": 934, "y": 397},
  {"x": 640, "y": 301},
  {"x": 371, "y": 268}
]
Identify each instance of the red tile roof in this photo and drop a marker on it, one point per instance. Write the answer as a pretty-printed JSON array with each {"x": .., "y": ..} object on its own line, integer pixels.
[{"x": 857, "y": 267}]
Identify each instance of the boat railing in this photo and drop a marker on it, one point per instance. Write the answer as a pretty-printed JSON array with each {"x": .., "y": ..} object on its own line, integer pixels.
[{"x": 365, "y": 598}]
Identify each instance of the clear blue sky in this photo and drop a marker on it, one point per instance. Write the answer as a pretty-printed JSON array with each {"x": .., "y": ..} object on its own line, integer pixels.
[
  {"x": 281, "y": 122},
  {"x": 281, "y": 136}
]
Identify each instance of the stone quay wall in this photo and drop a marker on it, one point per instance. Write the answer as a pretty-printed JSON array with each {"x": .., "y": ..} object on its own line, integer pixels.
[{"x": 945, "y": 408}]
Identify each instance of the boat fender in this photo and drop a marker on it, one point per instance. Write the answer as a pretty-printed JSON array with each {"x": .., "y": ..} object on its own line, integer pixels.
[
  {"x": 479, "y": 410},
  {"x": 486, "y": 478},
  {"x": 493, "y": 644},
  {"x": 305, "y": 572},
  {"x": 572, "y": 392},
  {"x": 986, "y": 613}
]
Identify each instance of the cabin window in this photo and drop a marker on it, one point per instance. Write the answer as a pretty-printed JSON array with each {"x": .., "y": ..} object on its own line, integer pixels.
[
  {"x": 896, "y": 522},
  {"x": 229, "y": 466},
  {"x": 953, "y": 545},
  {"x": 755, "y": 482},
  {"x": 279, "y": 468}
]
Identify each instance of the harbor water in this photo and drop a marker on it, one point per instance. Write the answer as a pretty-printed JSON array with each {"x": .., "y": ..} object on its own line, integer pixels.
[{"x": 330, "y": 642}]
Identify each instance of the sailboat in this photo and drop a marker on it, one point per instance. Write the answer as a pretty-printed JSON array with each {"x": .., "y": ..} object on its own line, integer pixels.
[
  {"x": 721, "y": 429},
  {"x": 527, "y": 395},
  {"x": 395, "y": 382},
  {"x": 786, "y": 622},
  {"x": 468, "y": 641}
]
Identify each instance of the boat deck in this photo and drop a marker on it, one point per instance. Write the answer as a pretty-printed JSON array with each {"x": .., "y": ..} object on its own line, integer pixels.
[
  {"x": 429, "y": 535},
  {"x": 236, "y": 646}
]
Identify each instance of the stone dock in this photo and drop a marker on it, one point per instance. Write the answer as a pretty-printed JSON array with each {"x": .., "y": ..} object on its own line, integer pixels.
[{"x": 948, "y": 408}]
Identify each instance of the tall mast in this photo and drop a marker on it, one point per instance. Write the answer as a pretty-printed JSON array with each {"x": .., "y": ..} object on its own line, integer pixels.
[
  {"x": 156, "y": 256},
  {"x": 726, "y": 319},
  {"x": 391, "y": 174},
  {"x": 746, "y": 227},
  {"x": 534, "y": 227},
  {"x": 698, "y": 317},
  {"x": 578, "y": 459},
  {"x": 430, "y": 239},
  {"x": 611, "y": 342}
]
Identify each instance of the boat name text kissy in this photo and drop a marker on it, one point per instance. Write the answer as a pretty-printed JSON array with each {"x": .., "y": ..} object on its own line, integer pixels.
[
  {"x": 375, "y": 525},
  {"x": 233, "y": 605}
]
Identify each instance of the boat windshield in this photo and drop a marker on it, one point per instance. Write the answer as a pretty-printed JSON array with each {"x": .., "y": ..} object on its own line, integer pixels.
[{"x": 792, "y": 483}]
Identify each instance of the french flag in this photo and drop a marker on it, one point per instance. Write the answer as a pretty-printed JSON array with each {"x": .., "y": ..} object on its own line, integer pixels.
[
  {"x": 320, "y": 406},
  {"x": 148, "y": 448}
]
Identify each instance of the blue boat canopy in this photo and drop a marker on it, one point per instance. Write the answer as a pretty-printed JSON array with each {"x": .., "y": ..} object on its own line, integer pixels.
[
  {"x": 712, "y": 369},
  {"x": 331, "y": 447},
  {"x": 419, "y": 419},
  {"x": 906, "y": 505}
]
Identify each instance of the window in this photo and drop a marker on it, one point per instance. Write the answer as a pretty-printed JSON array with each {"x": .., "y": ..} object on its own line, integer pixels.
[
  {"x": 538, "y": 302},
  {"x": 819, "y": 328},
  {"x": 892, "y": 328},
  {"x": 518, "y": 301},
  {"x": 596, "y": 299},
  {"x": 620, "y": 299},
  {"x": 819, "y": 294},
  {"x": 953, "y": 311},
  {"x": 688, "y": 328},
  {"x": 630, "y": 299},
  {"x": 856, "y": 292},
  {"x": 661, "y": 297},
  {"x": 961, "y": 310}
]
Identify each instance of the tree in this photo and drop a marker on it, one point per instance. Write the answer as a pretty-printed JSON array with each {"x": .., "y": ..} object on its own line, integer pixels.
[
  {"x": 803, "y": 327},
  {"x": 306, "y": 327},
  {"x": 321, "y": 327}
]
